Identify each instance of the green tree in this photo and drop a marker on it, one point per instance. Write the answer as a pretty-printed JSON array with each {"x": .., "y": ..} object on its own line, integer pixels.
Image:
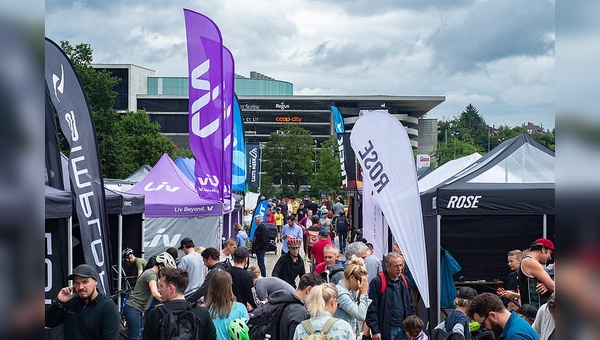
[
  {"x": 328, "y": 178},
  {"x": 182, "y": 152},
  {"x": 288, "y": 156},
  {"x": 145, "y": 141},
  {"x": 455, "y": 148}
]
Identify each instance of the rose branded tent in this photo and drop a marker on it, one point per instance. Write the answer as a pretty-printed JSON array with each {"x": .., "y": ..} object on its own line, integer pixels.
[
  {"x": 503, "y": 201},
  {"x": 174, "y": 210}
]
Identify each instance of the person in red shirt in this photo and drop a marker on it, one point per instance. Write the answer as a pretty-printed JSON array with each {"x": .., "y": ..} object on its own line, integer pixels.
[{"x": 316, "y": 252}]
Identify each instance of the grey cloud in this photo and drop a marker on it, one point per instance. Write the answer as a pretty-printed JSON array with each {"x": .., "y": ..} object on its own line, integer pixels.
[
  {"x": 494, "y": 30},
  {"x": 374, "y": 7}
]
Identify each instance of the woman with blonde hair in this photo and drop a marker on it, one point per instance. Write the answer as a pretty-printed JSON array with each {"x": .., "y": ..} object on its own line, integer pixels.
[
  {"x": 321, "y": 303},
  {"x": 353, "y": 294},
  {"x": 221, "y": 303}
]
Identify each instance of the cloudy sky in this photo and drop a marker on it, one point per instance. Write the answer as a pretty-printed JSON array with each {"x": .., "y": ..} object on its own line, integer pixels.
[{"x": 496, "y": 55}]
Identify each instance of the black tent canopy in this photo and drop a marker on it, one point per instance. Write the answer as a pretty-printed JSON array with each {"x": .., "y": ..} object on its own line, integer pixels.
[{"x": 503, "y": 201}]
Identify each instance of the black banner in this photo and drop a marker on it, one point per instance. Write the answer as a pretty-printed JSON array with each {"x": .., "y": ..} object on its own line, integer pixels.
[
  {"x": 76, "y": 122},
  {"x": 353, "y": 180},
  {"x": 253, "y": 158}
]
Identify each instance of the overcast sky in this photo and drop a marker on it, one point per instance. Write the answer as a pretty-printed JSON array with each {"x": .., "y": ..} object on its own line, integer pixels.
[{"x": 496, "y": 55}]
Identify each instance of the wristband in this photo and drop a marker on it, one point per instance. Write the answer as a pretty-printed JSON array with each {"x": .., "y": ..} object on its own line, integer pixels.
[{"x": 58, "y": 303}]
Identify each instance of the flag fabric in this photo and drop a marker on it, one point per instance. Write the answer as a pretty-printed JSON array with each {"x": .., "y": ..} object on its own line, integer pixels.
[
  {"x": 75, "y": 116},
  {"x": 206, "y": 106},
  {"x": 353, "y": 178},
  {"x": 385, "y": 154},
  {"x": 253, "y": 157},
  {"x": 260, "y": 210},
  {"x": 238, "y": 182},
  {"x": 338, "y": 122},
  {"x": 228, "y": 102},
  {"x": 374, "y": 226}
]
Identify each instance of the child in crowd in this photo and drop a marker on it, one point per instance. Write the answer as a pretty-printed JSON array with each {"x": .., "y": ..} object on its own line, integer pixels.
[{"x": 413, "y": 326}]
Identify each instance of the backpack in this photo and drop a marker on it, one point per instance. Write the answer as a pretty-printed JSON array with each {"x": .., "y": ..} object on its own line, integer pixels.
[
  {"x": 322, "y": 333},
  {"x": 384, "y": 282},
  {"x": 265, "y": 320},
  {"x": 313, "y": 236},
  {"x": 179, "y": 324},
  {"x": 341, "y": 224},
  {"x": 328, "y": 276}
]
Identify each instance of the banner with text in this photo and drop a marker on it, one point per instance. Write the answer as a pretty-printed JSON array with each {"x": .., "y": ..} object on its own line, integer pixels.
[
  {"x": 385, "y": 154},
  {"x": 253, "y": 157},
  {"x": 76, "y": 122},
  {"x": 206, "y": 106}
]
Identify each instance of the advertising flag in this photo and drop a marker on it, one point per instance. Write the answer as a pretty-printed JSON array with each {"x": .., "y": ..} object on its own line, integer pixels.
[
  {"x": 75, "y": 116},
  {"x": 238, "y": 182},
  {"x": 338, "y": 122},
  {"x": 253, "y": 152},
  {"x": 260, "y": 210},
  {"x": 206, "y": 106},
  {"x": 228, "y": 97},
  {"x": 353, "y": 177},
  {"x": 384, "y": 152}
]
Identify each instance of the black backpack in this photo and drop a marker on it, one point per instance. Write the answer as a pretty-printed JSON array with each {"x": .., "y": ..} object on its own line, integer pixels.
[
  {"x": 179, "y": 324},
  {"x": 265, "y": 320},
  {"x": 341, "y": 224}
]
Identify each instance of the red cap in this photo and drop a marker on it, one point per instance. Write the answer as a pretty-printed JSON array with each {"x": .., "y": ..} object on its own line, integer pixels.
[{"x": 546, "y": 243}]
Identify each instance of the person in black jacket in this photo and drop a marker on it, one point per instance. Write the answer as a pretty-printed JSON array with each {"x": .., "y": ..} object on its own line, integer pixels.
[
  {"x": 171, "y": 286},
  {"x": 290, "y": 265},
  {"x": 84, "y": 312},
  {"x": 210, "y": 256},
  {"x": 242, "y": 279},
  {"x": 295, "y": 312},
  {"x": 388, "y": 310},
  {"x": 260, "y": 244}
]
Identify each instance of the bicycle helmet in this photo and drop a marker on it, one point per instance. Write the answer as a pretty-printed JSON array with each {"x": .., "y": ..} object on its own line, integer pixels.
[
  {"x": 238, "y": 330},
  {"x": 294, "y": 242},
  {"x": 126, "y": 252},
  {"x": 166, "y": 259}
]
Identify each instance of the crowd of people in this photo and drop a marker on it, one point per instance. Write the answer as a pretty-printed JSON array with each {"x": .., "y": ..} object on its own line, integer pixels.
[{"x": 217, "y": 294}]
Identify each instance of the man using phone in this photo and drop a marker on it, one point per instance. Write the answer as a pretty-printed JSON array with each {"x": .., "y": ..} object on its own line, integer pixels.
[{"x": 83, "y": 310}]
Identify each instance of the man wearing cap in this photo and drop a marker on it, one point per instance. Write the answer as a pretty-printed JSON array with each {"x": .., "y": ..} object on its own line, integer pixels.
[
  {"x": 527, "y": 312},
  {"x": 242, "y": 279},
  {"x": 141, "y": 297},
  {"x": 535, "y": 285},
  {"x": 457, "y": 322},
  {"x": 488, "y": 310},
  {"x": 84, "y": 312},
  {"x": 316, "y": 252},
  {"x": 290, "y": 265},
  {"x": 193, "y": 263},
  {"x": 260, "y": 244}
]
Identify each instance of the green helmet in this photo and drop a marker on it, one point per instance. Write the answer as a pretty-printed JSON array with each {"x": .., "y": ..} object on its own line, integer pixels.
[{"x": 238, "y": 330}]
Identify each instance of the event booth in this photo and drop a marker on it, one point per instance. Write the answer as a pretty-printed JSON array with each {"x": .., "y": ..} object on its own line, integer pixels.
[
  {"x": 501, "y": 202},
  {"x": 174, "y": 210}
]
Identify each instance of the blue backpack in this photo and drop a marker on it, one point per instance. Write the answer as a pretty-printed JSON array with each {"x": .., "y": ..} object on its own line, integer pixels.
[{"x": 341, "y": 224}]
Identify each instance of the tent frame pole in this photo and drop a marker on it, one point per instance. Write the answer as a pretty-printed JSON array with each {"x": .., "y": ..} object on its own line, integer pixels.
[
  {"x": 438, "y": 269},
  {"x": 70, "y": 244},
  {"x": 545, "y": 226},
  {"x": 143, "y": 234},
  {"x": 120, "y": 265}
]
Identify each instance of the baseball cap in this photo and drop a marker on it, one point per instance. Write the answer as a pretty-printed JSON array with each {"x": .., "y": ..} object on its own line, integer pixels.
[
  {"x": 84, "y": 270},
  {"x": 528, "y": 310},
  {"x": 466, "y": 293},
  {"x": 323, "y": 232},
  {"x": 546, "y": 243},
  {"x": 185, "y": 242},
  {"x": 241, "y": 253}
]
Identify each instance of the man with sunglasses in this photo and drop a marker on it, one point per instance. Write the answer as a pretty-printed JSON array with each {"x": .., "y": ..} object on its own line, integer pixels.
[{"x": 488, "y": 310}]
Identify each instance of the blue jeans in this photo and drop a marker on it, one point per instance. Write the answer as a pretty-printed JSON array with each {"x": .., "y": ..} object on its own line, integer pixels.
[
  {"x": 135, "y": 322},
  {"x": 398, "y": 333},
  {"x": 342, "y": 239},
  {"x": 260, "y": 258}
]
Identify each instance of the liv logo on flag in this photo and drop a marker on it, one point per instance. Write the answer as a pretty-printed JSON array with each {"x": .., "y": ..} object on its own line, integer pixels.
[{"x": 210, "y": 94}]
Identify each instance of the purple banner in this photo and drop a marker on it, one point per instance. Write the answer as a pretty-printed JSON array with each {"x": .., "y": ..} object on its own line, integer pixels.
[
  {"x": 76, "y": 122},
  {"x": 228, "y": 81},
  {"x": 205, "y": 70}
]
